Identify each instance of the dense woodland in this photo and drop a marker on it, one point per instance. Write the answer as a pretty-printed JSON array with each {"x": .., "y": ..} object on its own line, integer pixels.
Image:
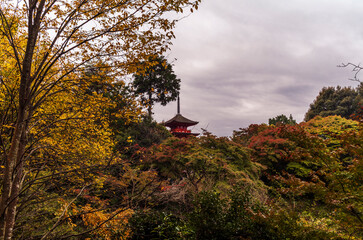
[{"x": 82, "y": 158}]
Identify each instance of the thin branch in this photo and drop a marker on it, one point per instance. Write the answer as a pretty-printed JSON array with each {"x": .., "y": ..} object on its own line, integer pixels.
[
  {"x": 63, "y": 213},
  {"x": 356, "y": 69}
]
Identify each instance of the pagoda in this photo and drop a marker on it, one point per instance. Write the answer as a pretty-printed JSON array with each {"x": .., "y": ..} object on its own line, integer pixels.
[{"x": 179, "y": 125}]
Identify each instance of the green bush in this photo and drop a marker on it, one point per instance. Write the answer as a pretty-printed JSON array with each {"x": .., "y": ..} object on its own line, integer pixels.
[{"x": 150, "y": 225}]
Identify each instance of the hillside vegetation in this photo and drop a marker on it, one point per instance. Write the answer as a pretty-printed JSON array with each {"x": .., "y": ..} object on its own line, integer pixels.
[{"x": 283, "y": 181}]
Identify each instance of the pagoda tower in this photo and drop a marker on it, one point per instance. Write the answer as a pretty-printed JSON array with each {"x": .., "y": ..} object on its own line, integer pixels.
[{"x": 179, "y": 125}]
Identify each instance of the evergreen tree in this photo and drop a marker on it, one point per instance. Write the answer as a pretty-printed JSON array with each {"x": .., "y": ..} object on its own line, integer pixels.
[
  {"x": 281, "y": 119},
  {"x": 336, "y": 101},
  {"x": 156, "y": 83}
]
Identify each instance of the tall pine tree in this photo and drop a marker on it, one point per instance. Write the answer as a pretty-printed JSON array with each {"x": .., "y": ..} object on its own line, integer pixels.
[{"x": 156, "y": 83}]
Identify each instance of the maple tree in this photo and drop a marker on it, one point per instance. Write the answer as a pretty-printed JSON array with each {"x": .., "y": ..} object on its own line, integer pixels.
[
  {"x": 267, "y": 182},
  {"x": 191, "y": 165},
  {"x": 343, "y": 138},
  {"x": 74, "y": 146},
  {"x": 49, "y": 41},
  {"x": 313, "y": 163},
  {"x": 299, "y": 181}
]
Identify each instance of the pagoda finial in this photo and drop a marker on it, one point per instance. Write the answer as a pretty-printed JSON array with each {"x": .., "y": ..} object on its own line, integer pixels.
[{"x": 178, "y": 104}]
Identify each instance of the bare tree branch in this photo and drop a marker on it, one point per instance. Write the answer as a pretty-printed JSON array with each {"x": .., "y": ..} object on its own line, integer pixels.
[{"x": 356, "y": 69}]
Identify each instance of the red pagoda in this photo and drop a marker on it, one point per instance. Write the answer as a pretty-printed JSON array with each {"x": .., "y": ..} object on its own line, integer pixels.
[{"x": 179, "y": 125}]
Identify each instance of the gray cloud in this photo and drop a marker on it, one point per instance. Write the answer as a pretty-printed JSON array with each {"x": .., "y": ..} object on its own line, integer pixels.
[{"x": 243, "y": 62}]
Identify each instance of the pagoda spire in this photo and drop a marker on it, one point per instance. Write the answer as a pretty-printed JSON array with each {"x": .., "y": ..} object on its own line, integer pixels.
[{"x": 179, "y": 124}]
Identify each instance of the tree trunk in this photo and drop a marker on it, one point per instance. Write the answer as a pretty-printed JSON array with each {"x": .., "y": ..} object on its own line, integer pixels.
[
  {"x": 150, "y": 105},
  {"x": 14, "y": 160},
  {"x": 12, "y": 176}
]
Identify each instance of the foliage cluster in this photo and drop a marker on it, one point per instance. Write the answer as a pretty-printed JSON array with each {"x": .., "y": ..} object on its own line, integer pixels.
[
  {"x": 156, "y": 82},
  {"x": 286, "y": 181},
  {"x": 281, "y": 119},
  {"x": 339, "y": 101}
]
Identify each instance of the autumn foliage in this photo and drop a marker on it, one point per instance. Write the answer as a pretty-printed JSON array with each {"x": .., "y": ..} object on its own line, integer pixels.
[
  {"x": 298, "y": 181},
  {"x": 79, "y": 159}
]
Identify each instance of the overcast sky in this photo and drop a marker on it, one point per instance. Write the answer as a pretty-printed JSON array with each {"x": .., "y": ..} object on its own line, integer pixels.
[{"x": 245, "y": 61}]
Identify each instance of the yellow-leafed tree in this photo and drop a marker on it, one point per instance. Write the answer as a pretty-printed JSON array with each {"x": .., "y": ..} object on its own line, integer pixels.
[{"x": 47, "y": 42}]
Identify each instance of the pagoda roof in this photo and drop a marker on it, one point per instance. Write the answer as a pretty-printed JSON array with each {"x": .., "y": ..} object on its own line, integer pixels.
[
  {"x": 180, "y": 119},
  {"x": 183, "y": 134}
]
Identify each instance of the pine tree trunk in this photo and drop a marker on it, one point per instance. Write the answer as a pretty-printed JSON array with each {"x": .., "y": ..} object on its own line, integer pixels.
[{"x": 150, "y": 105}]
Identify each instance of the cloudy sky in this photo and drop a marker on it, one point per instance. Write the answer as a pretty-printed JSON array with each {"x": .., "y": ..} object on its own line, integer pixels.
[{"x": 245, "y": 61}]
